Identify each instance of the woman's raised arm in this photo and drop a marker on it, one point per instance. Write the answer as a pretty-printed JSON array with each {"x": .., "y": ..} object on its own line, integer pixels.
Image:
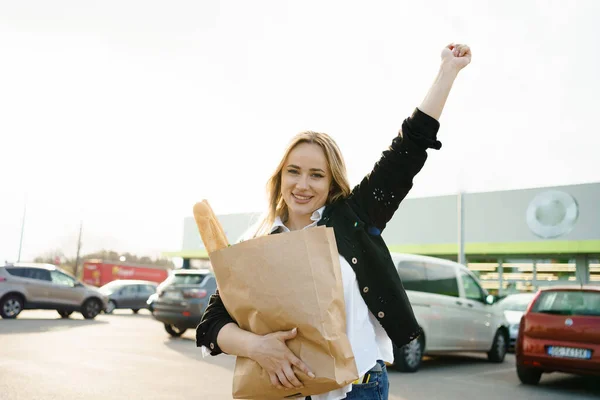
[{"x": 454, "y": 58}]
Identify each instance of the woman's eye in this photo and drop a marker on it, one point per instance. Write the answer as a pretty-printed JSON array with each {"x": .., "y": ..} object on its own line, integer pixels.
[
  {"x": 318, "y": 176},
  {"x": 292, "y": 171}
]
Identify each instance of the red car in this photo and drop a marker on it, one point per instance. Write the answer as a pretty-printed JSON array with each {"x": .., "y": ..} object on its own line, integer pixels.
[{"x": 560, "y": 331}]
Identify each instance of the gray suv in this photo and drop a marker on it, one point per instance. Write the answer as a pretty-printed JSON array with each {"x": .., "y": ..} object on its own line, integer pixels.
[
  {"x": 132, "y": 294},
  {"x": 182, "y": 298},
  {"x": 30, "y": 286}
]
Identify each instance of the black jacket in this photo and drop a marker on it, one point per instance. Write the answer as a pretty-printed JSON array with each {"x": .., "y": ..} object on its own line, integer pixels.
[{"x": 358, "y": 222}]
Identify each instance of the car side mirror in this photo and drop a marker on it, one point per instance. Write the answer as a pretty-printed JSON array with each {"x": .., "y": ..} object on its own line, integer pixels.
[{"x": 489, "y": 299}]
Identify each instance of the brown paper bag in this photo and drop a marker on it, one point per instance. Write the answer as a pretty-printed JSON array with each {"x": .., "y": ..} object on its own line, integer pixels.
[{"x": 285, "y": 281}]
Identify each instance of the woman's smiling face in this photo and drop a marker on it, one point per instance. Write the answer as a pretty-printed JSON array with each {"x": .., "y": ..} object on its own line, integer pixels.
[{"x": 305, "y": 183}]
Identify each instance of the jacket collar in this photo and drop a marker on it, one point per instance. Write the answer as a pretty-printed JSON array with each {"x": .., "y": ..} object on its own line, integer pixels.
[{"x": 279, "y": 226}]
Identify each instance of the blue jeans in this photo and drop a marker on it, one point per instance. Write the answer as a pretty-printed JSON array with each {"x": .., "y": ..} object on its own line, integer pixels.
[{"x": 377, "y": 388}]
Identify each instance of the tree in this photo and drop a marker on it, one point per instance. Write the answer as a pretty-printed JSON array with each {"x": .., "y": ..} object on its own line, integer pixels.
[{"x": 51, "y": 257}]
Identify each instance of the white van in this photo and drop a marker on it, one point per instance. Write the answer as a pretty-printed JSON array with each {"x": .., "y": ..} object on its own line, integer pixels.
[{"x": 455, "y": 312}]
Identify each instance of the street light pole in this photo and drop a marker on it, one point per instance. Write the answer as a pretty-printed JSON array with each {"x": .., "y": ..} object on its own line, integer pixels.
[
  {"x": 78, "y": 249},
  {"x": 461, "y": 229},
  {"x": 22, "y": 229}
]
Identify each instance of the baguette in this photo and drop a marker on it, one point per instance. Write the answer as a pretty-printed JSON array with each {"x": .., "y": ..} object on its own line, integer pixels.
[{"x": 211, "y": 231}]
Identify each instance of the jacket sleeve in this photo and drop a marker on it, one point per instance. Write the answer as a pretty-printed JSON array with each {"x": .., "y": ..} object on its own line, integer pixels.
[
  {"x": 378, "y": 196},
  {"x": 214, "y": 318}
]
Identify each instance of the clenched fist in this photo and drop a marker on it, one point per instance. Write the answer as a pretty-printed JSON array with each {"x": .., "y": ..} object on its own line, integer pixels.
[{"x": 456, "y": 55}]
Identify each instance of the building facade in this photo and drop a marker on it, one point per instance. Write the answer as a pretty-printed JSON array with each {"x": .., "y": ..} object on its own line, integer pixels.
[{"x": 514, "y": 241}]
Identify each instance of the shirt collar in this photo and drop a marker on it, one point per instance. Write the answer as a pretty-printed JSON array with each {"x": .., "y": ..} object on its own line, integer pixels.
[{"x": 315, "y": 217}]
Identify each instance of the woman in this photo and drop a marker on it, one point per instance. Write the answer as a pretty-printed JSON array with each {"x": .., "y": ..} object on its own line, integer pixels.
[{"x": 310, "y": 188}]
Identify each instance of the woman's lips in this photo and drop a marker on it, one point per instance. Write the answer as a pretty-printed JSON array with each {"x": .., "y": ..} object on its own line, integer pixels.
[{"x": 301, "y": 199}]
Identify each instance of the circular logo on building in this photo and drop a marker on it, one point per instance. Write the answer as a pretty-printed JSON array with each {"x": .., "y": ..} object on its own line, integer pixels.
[
  {"x": 569, "y": 322},
  {"x": 552, "y": 214}
]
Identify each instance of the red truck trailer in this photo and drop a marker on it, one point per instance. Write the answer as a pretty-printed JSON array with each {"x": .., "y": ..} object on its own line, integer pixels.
[{"x": 99, "y": 272}]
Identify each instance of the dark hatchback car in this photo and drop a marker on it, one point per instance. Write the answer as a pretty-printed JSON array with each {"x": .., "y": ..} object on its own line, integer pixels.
[
  {"x": 131, "y": 294},
  {"x": 182, "y": 298},
  {"x": 560, "y": 331}
]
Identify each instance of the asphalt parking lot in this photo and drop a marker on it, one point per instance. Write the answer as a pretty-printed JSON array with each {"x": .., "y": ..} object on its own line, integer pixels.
[{"x": 127, "y": 356}]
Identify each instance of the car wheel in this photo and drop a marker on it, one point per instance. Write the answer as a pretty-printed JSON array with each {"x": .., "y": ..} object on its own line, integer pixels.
[
  {"x": 64, "y": 314},
  {"x": 499, "y": 347},
  {"x": 173, "y": 330},
  {"x": 135, "y": 310},
  {"x": 91, "y": 308},
  {"x": 11, "y": 306},
  {"x": 529, "y": 376},
  {"x": 110, "y": 307},
  {"x": 408, "y": 358}
]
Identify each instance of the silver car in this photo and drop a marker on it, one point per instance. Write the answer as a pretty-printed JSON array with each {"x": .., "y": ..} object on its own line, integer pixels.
[
  {"x": 26, "y": 286},
  {"x": 455, "y": 312},
  {"x": 514, "y": 306}
]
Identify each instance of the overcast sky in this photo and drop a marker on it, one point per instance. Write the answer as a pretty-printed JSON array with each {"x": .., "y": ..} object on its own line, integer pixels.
[{"x": 125, "y": 113}]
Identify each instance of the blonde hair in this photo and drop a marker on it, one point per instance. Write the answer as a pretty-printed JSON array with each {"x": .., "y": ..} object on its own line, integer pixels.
[{"x": 340, "y": 187}]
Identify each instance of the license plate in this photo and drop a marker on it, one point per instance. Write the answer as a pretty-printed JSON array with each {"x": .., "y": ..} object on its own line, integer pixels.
[
  {"x": 569, "y": 352},
  {"x": 173, "y": 295}
]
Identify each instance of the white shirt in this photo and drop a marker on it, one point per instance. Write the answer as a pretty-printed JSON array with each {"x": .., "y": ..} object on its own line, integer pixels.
[{"x": 368, "y": 339}]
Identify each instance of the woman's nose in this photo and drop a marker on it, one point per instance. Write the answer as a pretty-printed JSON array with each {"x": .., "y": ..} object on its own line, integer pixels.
[{"x": 302, "y": 182}]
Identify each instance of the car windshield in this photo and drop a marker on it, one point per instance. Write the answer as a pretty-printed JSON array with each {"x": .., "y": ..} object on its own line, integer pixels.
[
  {"x": 517, "y": 302},
  {"x": 570, "y": 302}
]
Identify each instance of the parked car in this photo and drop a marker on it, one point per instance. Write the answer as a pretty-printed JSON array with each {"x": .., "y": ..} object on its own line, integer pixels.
[
  {"x": 513, "y": 306},
  {"x": 452, "y": 308},
  {"x": 150, "y": 301},
  {"x": 182, "y": 299},
  {"x": 26, "y": 286},
  {"x": 131, "y": 294},
  {"x": 560, "y": 331}
]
